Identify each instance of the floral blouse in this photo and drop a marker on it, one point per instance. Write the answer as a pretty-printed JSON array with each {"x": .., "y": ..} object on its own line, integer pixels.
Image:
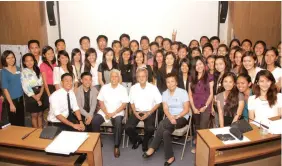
[{"x": 29, "y": 80}]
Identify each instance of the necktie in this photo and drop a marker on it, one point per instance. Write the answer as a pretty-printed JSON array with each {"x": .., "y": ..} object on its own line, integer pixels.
[{"x": 69, "y": 106}]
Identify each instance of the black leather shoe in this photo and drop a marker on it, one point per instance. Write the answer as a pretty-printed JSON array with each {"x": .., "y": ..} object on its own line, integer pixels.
[
  {"x": 145, "y": 155},
  {"x": 144, "y": 148},
  {"x": 167, "y": 163},
  {"x": 136, "y": 145}
]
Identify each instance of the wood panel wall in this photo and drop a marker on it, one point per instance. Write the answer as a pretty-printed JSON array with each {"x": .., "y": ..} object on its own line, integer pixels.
[
  {"x": 256, "y": 21},
  {"x": 22, "y": 21}
]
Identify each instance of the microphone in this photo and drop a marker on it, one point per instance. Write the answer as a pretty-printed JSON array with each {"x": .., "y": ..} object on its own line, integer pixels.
[{"x": 256, "y": 122}]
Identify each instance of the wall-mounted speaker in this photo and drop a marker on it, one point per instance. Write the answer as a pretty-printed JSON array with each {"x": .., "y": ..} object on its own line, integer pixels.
[
  {"x": 51, "y": 13},
  {"x": 223, "y": 11}
]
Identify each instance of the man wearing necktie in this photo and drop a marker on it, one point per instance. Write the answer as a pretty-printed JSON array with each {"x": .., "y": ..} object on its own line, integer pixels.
[{"x": 64, "y": 111}]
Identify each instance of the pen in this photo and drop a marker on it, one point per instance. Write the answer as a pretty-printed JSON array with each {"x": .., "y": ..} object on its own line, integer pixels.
[{"x": 25, "y": 136}]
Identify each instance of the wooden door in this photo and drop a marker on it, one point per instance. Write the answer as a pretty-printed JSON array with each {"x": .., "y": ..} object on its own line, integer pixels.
[
  {"x": 22, "y": 21},
  {"x": 256, "y": 21}
]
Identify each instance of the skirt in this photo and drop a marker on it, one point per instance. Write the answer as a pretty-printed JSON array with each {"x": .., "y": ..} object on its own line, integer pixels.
[{"x": 31, "y": 104}]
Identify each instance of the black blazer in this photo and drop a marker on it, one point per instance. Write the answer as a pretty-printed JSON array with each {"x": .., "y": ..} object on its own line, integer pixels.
[{"x": 181, "y": 82}]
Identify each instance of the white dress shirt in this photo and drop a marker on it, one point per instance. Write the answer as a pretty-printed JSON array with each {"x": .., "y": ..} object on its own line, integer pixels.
[
  {"x": 113, "y": 98},
  {"x": 40, "y": 61},
  {"x": 144, "y": 99},
  {"x": 59, "y": 104},
  {"x": 59, "y": 71},
  {"x": 82, "y": 56},
  {"x": 99, "y": 56}
]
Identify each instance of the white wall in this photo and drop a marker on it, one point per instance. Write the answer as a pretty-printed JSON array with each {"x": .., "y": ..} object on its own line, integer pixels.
[{"x": 192, "y": 19}]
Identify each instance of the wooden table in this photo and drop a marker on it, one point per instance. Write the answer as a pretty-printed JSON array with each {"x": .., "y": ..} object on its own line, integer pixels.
[
  {"x": 260, "y": 150},
  {"x": 32, "y": 148}
]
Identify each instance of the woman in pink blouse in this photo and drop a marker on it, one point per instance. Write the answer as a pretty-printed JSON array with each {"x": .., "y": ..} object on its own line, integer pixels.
[{"x": 46, "y": 68}]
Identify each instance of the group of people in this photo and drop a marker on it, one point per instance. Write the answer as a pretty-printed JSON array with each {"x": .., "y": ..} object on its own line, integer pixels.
[{"x": 218, "y": 84}]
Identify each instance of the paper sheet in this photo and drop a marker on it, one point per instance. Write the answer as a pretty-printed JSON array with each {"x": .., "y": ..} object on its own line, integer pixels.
[
  {"x": 225, "y": 130},
  {"x": 275, "y": 127},
  {"x": 67, "y": 142}
]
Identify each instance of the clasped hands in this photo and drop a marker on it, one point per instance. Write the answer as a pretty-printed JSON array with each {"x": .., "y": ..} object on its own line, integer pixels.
[
  {"x": 79, "y": 127},
  {"x": 173, "y": 119},
  {"x": 198, "y": 111},
  {"x": 110, "y": 115},
  {"x": 142, "y": 117}
]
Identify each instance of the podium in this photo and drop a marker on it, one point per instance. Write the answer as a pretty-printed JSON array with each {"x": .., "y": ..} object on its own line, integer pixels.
[{"x": 261, "y": 150}]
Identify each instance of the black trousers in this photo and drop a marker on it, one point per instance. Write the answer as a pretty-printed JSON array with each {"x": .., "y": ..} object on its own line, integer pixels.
[
  {"x": 88, "y": 128},
  {"x": 117, "y": 124},
  {"x": 164, "y": 131},
  {"x": 16, "y": 118},
  {"x": 160, "y": 113},
  {"x": 149, "y": 128}
]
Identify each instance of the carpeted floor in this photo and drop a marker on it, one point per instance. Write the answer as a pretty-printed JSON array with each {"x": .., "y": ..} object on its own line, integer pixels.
[{"x": 130, "y": 157}]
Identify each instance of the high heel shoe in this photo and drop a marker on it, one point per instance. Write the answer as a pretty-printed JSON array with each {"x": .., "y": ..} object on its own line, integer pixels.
[
  {"x": 168, "y": 164},
  {"x": 145, "y": 155}
]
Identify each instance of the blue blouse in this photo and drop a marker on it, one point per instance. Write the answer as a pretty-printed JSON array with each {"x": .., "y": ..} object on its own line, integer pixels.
[
  {"x": 245, "y": 110},
  {"x": 175, "y": 102},
  {"x": 12, "y": 82}
]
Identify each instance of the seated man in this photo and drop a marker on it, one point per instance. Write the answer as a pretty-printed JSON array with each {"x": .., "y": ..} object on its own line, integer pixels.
[
  {"x": 113, "y": 99},
  {"x": 64, "y": 111},
  {"x": 144, "y": 98},
  {"x": 86, "y": 96}
]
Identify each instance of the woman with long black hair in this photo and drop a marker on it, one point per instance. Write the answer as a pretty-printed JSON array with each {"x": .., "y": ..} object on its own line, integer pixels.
[
  {"x": 12, "y": 88},
  {"x": 109, "y": 63},
  {"x": 230, "y": 102},
  {"x": 158, "y": 67},
  {"x": 272, "y": 65},
  {"x": 200, "y": 94},
  {"x": 249, "y": 61},
  {"x": 76, "y": 62},
  {"x": 90, "y": 65},
  {"x": 139, "y": 59},
  {"x": 266, "y": 101},
  {"x": 183, "y": 77},
  {"x": 125, "y": 67},
  {"x": 259, "y": 49},
  {"x": 33, "y": 88},
  {"x": 47, "y": 69},
  {"x": 64, "y": 66}
]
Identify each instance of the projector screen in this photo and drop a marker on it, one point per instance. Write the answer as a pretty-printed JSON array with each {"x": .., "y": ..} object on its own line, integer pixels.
[{"x": 191, "y": 19}]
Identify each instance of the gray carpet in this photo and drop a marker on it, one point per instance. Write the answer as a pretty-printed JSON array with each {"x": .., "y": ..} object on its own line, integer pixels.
[{"x": 130, "y": 157}]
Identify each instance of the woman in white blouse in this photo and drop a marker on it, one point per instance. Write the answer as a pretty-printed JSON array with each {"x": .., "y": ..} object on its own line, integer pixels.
[
  {"x": 266, "y": 101},
  {"x": 90, "y": 65},
  {"x": 249, "y": 61},
  {"x": 64, "y": 66},
  {"x": 272, "y": 65}
]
